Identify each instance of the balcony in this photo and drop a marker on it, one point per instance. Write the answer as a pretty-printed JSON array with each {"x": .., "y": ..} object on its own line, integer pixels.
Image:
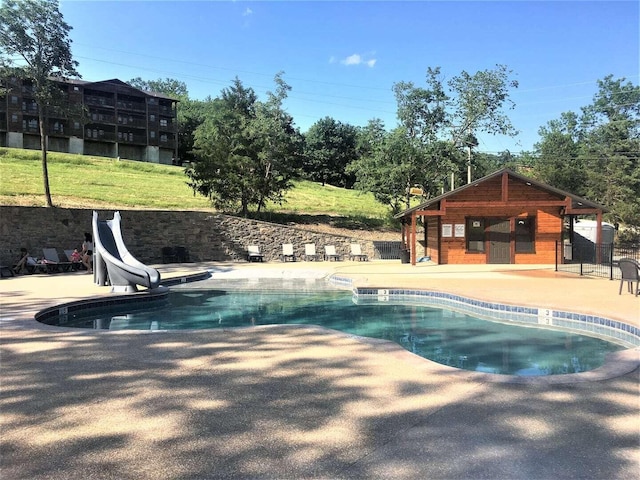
[
  {"x": 128, "y": 120},
  {"x": 58, "y": 128},
  {"x": 132, "y": 106},
  {"x": 132, "y": 138},
  {"x": 102, "y": 117},
  {"x": 166, "y": 110},
  {"x": 99, "y": 101},
  {"x": 99, "y": 135},
  {"x": 30, "y": 107}
]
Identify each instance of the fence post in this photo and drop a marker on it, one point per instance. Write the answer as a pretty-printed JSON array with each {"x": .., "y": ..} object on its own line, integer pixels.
[
  {"x": 611, "y": 261},
  {"x": 557, "y": 255}
]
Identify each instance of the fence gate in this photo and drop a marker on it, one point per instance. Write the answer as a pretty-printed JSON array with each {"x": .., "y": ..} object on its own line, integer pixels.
[{"x": 386, "y": 250}]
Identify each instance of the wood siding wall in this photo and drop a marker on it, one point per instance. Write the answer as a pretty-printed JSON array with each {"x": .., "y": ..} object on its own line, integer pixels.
[{"x": 548, "y": 230}]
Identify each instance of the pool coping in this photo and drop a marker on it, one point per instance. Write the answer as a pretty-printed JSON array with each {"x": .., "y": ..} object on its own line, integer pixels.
[{"x": 616, "y": 363}]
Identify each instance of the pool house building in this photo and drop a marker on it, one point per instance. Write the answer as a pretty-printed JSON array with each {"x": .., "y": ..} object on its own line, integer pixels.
[{"x": 502, "y": 218}]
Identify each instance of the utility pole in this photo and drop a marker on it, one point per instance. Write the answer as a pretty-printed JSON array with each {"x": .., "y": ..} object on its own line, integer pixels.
[{"x": 468, "y": 163}]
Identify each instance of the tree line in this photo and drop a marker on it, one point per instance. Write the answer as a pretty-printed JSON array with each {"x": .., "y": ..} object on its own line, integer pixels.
[
  {"x": 244, "y": 151},
  {"x": 248, "y": 151}
]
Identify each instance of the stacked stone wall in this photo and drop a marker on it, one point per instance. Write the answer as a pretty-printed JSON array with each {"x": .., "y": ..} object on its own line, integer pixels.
[{"x": 207, "y": 236}]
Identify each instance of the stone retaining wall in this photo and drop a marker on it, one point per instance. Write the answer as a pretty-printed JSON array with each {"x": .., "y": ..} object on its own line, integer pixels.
[{"x": 207, "y": 236}]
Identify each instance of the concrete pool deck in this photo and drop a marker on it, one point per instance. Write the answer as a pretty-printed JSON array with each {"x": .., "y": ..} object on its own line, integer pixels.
[{"x": 302, "y": 402}]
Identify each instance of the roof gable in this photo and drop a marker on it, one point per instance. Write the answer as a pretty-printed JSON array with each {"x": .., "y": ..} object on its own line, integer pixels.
[{"x": 537, "y": 191}]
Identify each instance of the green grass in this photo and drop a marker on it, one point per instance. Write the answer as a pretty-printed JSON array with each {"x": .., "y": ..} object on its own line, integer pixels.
[{"x": 85, "y": 181}]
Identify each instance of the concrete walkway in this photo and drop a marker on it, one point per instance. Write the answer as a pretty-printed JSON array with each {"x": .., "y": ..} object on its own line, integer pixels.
[{"x": 303, "y": 402}]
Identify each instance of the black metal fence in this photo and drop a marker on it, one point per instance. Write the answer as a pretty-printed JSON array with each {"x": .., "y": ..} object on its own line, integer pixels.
[
  {"x": 386, "y": 250},
  {"x": 593, "y": 259}
]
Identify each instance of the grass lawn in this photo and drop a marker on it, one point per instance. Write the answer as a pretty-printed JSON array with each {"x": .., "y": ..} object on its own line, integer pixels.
[{"x": 82, "y": 181}]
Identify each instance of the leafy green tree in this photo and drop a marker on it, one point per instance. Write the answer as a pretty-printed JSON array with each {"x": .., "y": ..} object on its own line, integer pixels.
[
  {"x": 558, "y": 162},
  {"x": 611, "y": 149},
  {"x": 437, "y": 125},
  {"x": 329, "y": 147},
  {"x": 246, "y": 150},
  {"x": 597, "y": 154},
  {"x": 169, "y": 86},
  {"x": 35, "y": 31},
  {"x": 191, "y": 114},
  {"x": 477, "y": 103},
  {"x": 280, "y": 146}
]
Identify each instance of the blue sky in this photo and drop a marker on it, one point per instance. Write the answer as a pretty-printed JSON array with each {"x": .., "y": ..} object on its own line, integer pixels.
[{"x": 342, "y": 58}]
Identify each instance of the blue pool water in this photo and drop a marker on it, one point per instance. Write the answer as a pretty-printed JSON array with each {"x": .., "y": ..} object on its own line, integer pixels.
[{"x": 441, "y": 335}]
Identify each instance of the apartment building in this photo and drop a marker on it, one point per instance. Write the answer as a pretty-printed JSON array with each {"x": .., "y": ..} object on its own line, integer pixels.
[{"x": 117, "y": 120}]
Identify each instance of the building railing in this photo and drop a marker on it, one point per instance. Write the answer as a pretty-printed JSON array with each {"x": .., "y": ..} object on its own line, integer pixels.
[
  {"x": 133, "y": 106},
  {"x": 98, "y": 100},
  {"x": 593, "y": 259}
]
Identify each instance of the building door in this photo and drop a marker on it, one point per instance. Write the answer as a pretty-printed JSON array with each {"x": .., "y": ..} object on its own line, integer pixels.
[{"x": 499, "y": 241}]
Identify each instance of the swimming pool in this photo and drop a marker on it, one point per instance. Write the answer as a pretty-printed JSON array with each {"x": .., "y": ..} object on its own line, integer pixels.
[{"x": 444, "y": 335}]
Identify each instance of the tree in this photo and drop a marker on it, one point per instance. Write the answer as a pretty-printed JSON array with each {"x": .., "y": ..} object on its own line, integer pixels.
[
  {"x": 169, "y": 86},
  {"x": 597, "y": 154},
  {"x": 247, "y": 150},
  {"x": 558, "y": 162},
  {"x": 611, "y": 149},
  {"x": 477, "y": 102},
  {"x": 280, "y": 146},
  {"x": 329, "y": 147},
  {"x": 36, "y": 31}
]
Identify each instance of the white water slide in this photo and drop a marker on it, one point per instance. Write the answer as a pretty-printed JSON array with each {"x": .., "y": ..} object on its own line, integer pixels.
[{"x": 114, "y": 264}]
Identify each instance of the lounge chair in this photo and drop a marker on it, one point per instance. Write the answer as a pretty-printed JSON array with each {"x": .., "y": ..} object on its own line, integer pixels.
[
  {"x": 5, "y": 269},
  {"x": 310, "y": 252},
  {"x": 287, "y": 253},
  {"x": 630, "y": 270},
  {"x": 253, "y": 254},
  {"x": 356, "y": 253},
  {"x": 52, "y": 261},
  {"x": 330, "y": 253}
]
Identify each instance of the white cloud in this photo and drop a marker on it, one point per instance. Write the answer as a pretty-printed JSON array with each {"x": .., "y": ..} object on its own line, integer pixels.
[
  {"x": 247, "y": 12},
  {"x": 354, "y": 59},
  {"x": 357, "y": 59}
]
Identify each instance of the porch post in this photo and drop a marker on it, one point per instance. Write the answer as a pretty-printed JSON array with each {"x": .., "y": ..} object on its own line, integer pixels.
[{"x": 413, "y": 238}]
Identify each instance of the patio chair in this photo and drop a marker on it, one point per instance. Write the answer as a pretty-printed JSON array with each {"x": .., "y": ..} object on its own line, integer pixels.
[
  {"x": 356, "y": 253},
  {"x": 52, "y": 261},
  {"x": 330, "y": 253},
  {"x": 310, "y": 252},
  {"x": 287, "y": 253},
  {"x": 630, "y": 270},
  {"x": 253, "y": 254}
]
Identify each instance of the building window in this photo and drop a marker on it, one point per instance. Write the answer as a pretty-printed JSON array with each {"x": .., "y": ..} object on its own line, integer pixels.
[
  {"x": 525, "y": 234},
  {"x": 152, "y": 134},
  {"x": 76, "y": 88},
  {"x": 475, "y": 235},
  {"x": 152, "y": 118},
  {"x": 14, "y": 118},
  {"x": 14, "y": 100},
  {"x": 163, "y": 122}
]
